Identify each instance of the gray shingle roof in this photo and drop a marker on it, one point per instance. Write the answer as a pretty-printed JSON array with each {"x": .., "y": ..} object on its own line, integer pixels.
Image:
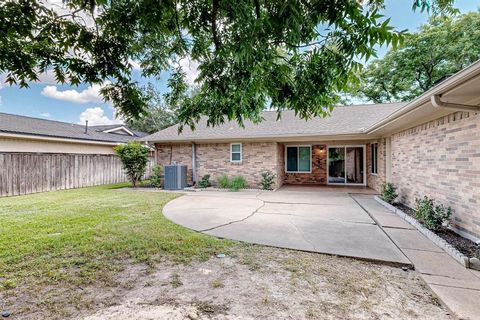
[
  {"x": 11, "y": 123},
  {"x": 343, "y": 120}
]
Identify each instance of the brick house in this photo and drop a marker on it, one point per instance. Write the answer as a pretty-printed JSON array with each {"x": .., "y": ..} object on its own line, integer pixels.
[{"x": 428, "y": 146}]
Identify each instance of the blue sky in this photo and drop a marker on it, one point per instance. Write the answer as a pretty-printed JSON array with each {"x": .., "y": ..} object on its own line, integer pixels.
[{"x": 75, "y": 104}]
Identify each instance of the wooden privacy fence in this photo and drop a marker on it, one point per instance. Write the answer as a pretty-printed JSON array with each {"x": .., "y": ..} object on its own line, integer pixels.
[{"x": 24, "y": 173}]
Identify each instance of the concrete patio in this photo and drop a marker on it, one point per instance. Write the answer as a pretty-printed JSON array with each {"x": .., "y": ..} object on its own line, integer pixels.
[
  {"x": 329, "y": 222},
  {"x": 341, "y": 221}
]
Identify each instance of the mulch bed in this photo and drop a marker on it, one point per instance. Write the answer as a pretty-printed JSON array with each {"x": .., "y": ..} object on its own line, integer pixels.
[{"x": 464, "y": 245}]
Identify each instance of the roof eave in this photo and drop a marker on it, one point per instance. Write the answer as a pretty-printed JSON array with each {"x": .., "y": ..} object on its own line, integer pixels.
[
  {"x": 273, "y": 138},
  {"x": 454, "y": 81}
]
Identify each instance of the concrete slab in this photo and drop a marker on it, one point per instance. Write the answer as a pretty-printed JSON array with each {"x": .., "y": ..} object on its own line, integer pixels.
[
  {"x": 324, "y": 198},
  {"x": 437, "y": 263},
  {"x": 451, "y": 282},
  {"x": 326, "y": 212},
  {"x": 269, "y": 230},
  {"x": 411, "y": 239},
  {"x": 391, "y": 220},
  {"x": 371, "y": 205},
  {"x": 464, "y": 302},
  {"x": 360, "y": 240},
  {"x": 330, "y": 222},
  {"x": 205, "y": 212}
]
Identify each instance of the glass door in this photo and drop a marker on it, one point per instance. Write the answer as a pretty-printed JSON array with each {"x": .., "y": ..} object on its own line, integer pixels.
[
  {"x": 336, "y": 165},
  {"x": 346, "y": 165},
  {"x": 354, "y": 165}
]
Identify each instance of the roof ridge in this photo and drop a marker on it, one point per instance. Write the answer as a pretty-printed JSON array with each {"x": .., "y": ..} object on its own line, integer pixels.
[{"x": 46, "y": 120}]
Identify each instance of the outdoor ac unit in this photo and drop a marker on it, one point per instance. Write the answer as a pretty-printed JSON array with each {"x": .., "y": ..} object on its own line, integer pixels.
[{"x": 175, "y": 177}]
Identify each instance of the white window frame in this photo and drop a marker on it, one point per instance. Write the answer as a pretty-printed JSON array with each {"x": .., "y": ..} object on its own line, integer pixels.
[
  {"x": 298, "y": 158},
  {"x": 231, "y": 152},
  {"x": 374, "y": 157}
]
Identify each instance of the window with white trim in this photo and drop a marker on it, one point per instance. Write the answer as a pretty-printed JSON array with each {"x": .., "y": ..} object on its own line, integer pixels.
[
  {"x": 298, "y": 158},
  {"x": 374, "y": 152},
  {"x": 236, "y": 152}
]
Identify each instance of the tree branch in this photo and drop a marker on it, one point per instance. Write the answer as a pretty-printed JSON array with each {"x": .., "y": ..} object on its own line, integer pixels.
[
  {"x": 216, "y": 40},
  {"x": 257, "y": 8}
]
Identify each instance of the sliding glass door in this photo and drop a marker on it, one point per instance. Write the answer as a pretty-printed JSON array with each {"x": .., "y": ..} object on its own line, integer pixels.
[{"x": 346, "y": 165}]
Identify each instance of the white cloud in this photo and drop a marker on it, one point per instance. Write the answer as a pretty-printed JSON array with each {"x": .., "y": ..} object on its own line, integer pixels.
[
  {"x": 135, "y": 65},
  {"x": 46, "y": 114},
  {"x": 91, "y": 94},
  {"x": 190, "y": 67},
  {"x": 96, "y": 116}
]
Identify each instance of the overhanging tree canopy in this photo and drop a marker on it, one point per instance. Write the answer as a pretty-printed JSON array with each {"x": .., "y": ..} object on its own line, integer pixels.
[
  {"x": 293, "y": 54},
  {"x": 440, "y": 48}
]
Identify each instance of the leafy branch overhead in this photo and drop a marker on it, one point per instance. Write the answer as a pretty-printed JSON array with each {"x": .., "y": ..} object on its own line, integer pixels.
[
  {"x": 440, "y": 48},
  {"x": 287, "y": 54}
]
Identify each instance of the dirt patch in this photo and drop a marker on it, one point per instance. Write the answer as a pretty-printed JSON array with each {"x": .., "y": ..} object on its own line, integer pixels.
[
  {"x": 254, "y": 283},
  {"x": 464, "y": 245}
]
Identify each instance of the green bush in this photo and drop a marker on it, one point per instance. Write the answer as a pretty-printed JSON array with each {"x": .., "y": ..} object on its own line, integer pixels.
[
  {"x": 431, "y": 214},
  {"x": 223, "y": 182},
  {"x": 134, "y": 158},
  {"x": 156, "y": 177},
  {"x": 205, "y": 181},
  {"x": 238, "y": 183},
  {"x": 389, "y": 192},
  {"x": 268, "y": 179}
]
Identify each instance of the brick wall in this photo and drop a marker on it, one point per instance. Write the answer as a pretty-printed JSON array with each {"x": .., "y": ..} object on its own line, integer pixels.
[
  {"x": 214, "y": 159},
  {"x": 318, "y": 166},
  {"x": 179, "y": 153},
  {"x": 441, "y": 159},
  {"x": 375, "y": 181}
]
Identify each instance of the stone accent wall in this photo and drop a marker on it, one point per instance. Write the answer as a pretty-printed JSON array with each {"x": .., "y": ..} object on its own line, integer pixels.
[
  {"x": 318, "y": 165},
  {"x": 375, "y": 181},
  {"x": 441, "y": 159}
]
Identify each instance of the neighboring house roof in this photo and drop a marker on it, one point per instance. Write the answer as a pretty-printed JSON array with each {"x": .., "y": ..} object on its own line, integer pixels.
[
  {"x": 116, "y": 128},
  {"x": 15, "y": 124},
  {"x": 344, "y": 120}
]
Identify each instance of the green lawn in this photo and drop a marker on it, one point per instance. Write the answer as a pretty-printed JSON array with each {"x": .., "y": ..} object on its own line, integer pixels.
[{"x": 85, "y": 235}]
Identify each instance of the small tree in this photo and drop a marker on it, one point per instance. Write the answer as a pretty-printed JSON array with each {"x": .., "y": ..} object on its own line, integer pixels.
[{"x": 134, "y": 157}]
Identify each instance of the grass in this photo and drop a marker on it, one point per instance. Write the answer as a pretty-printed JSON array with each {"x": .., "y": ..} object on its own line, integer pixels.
[{"x": 88, "y": 235}]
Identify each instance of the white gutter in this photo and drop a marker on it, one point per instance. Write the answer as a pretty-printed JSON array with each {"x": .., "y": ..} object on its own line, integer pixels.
[
  {"x": 454, "y": 81},
  {"x": 438, "y": 103}
]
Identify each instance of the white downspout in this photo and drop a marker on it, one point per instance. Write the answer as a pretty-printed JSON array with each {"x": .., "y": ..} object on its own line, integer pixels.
[{"x": 438, "y": 103}]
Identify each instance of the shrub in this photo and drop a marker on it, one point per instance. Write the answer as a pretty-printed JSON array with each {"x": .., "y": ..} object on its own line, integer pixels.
[
  {"x": 205, "y": 181},
  {"x": 389, "y": 192},
  {"x": 268, "y": 179},
  {"x": 238, "y": 183},
  {"x": 156, "y": 177},
  {"x": 432, "y": 214},
  {"x": 223, "y": 182},
  {"x": 134, "y": 157}
]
